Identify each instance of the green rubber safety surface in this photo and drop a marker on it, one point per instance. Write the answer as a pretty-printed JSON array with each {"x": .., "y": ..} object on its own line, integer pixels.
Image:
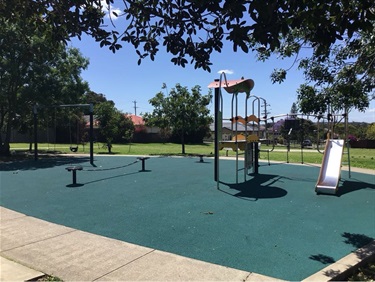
[{"x": 273, "y": 223}]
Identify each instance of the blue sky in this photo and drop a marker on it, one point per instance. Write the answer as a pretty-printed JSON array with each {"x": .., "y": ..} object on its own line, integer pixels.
[{"x": 121, "y": 79}]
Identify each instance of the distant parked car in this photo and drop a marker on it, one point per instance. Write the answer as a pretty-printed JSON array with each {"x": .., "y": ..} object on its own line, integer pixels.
[{"x": 306, "y": 143}]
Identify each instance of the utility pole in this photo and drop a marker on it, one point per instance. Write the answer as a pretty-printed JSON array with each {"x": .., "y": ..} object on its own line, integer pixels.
[{"x": 135, "y": 107}]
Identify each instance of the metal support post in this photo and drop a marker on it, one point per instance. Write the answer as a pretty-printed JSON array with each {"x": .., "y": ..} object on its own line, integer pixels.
[
  {"x": 91, "y": 134},
  {"x": 216, "y": 134},
  {"x": 256, "y": 157},
  {"x": 35, "y": 114}
]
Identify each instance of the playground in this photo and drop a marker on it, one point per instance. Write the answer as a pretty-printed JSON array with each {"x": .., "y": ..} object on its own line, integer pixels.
[
  {"x": 274, "y": 223},
  {"x": 281, "y": 220}
]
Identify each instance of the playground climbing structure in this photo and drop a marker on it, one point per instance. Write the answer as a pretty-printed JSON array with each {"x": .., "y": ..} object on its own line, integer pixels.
[{"x": 246, "y": 141}]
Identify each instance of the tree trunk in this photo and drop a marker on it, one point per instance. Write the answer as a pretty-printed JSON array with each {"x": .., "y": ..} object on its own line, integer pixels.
[
  {"x": 4, "y": 149},
  {"x": 183, "y": 141},
  {"x": 5, "y": 145},
  {"x": 31, "y": 140}
]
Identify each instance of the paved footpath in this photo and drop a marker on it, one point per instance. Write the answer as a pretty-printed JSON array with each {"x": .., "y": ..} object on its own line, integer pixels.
[{"x": 31, "y": 247}]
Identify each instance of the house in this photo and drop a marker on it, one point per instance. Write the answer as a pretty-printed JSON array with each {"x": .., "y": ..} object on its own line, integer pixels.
[
  {"x": 228, "y": 130},
  {"x": 137, "y": 120},
  {"x": 143, "y": 133},
  {"x": 140, "y": 126}
]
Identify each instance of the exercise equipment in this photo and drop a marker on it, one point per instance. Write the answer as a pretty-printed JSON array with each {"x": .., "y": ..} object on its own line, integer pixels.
[
  {"x": 143, "y": 159},
  {"x": 74, "y": 169}
]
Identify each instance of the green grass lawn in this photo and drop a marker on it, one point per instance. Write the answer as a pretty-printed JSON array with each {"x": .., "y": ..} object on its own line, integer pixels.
[{"x": 361, "y": 158}]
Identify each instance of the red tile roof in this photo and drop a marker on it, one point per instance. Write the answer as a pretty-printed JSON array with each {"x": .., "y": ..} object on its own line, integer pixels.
[{"x": 137, "y": 120}]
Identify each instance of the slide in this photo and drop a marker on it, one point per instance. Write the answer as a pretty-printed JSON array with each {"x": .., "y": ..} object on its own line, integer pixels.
[{"x": 331, "y": 167}]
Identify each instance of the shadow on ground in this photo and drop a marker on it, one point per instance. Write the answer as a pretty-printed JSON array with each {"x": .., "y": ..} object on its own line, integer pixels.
[
  {"x": 353, "y": 185},
  {"x": 42, "y": 163},
  {"x": 259, "y": 187},
  {"x": 356, "y": 240}
]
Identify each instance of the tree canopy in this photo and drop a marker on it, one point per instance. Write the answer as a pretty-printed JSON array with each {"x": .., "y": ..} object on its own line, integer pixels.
[
  {"x": 340, "y": 34},
  {"x": 370, "y": 134},
  {"x": 114, "y": 126},
  {"x": 339, "y": 81},
  {"x": 293, "y": 110},
  {"x": 182, "y": 113},
  {"x": 34, "y": 70},
  {"x": 195, "y": 29}
]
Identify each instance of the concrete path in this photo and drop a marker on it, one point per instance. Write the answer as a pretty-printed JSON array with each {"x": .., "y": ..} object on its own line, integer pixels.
[
  {"x": 13, "y": 271},
  {"x": 30, "y": 247}
]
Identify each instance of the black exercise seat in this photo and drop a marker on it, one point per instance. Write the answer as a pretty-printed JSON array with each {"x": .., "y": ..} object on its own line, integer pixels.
[{"x": 74, "y": 169}]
